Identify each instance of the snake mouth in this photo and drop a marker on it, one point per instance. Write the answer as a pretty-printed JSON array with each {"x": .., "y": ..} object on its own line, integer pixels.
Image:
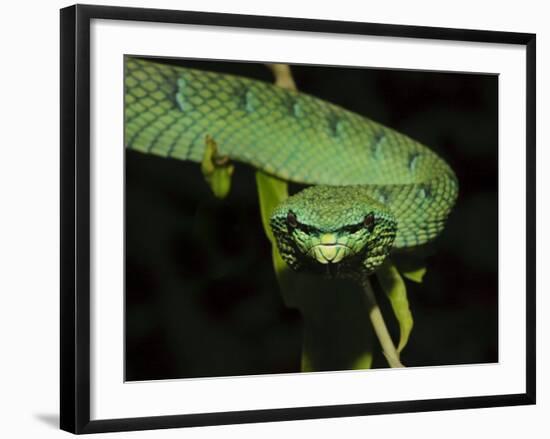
[{"x": 329, "y": 253}]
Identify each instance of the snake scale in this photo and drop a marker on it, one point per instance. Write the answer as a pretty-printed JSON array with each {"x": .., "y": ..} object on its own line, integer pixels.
[{"x": 372, "y": 189}]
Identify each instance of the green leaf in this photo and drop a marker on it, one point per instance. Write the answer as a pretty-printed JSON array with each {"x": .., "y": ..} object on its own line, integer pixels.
[
  {"x": 412, "y": 264},
  {"x": 306, "y": 365},
  {"x": 217, "y": 175},
  {"x": 393, "y": 285},
  {"x": 271, "y": 192},
  {"x": 416, "y": 275},
  {"x": 363, "y": 362},
  {"x": 220, "y": 181}
]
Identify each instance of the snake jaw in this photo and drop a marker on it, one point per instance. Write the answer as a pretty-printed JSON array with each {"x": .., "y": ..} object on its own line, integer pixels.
[{"x": 329, "y": 253}]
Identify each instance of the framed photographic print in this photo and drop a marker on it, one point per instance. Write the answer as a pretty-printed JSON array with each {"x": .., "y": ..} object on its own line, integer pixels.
[{"x": 269, "y": 218}]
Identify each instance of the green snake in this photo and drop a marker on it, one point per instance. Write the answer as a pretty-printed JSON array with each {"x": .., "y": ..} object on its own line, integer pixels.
[{"x": 371, "y": 189}]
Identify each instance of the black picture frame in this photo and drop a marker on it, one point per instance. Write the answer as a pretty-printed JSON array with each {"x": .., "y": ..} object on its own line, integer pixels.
[{"x": 75, "y": 218}]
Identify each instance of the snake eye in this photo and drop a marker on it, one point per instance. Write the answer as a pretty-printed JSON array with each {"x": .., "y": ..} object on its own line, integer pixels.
[
  {"x": 291, "y": 219},
  {"x": 368, "y": 222}
]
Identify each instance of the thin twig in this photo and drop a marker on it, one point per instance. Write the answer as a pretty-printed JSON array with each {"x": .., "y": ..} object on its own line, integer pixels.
[
  {"x": 380, "y": 328},
  {"x": 283, "y": 76}
]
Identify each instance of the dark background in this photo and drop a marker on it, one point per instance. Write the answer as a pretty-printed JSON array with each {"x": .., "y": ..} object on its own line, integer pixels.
[{"x": 201, "y": 295}]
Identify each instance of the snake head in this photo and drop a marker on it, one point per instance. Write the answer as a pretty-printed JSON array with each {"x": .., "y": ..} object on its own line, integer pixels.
[{"x": 338, "y": 230}]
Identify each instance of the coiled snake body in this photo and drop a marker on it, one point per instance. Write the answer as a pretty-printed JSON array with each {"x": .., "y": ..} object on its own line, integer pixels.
[{"x": 372, "y": 188}]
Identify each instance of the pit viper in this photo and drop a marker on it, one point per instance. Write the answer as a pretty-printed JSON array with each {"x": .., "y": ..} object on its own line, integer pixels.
[{"x": 371, "y": 190}]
